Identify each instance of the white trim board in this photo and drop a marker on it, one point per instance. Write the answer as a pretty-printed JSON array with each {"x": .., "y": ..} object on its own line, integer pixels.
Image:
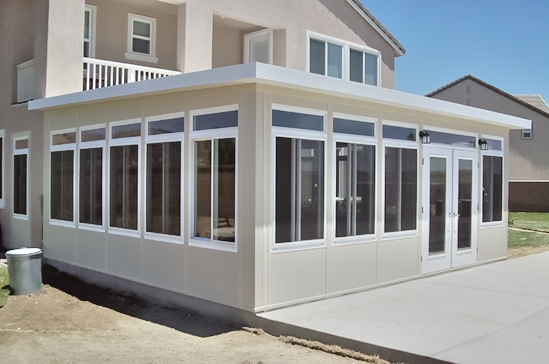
[{"x": 260, "y": 73}]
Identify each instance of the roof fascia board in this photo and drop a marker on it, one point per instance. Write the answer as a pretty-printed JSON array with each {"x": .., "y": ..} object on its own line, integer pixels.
[
  {"x": 399, "y": 49},
  {"x": 283, "y": 77}
]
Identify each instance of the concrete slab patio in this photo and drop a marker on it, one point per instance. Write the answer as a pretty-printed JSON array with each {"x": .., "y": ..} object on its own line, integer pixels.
[{"x": 494, "y": 313}]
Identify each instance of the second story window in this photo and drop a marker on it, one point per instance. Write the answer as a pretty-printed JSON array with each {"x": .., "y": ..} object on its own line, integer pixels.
[
  {"x": 336, "y": 58},
  {"x": 141, "y": 38},
  {"x": 258, "y": 46},
  {"x": 526, "y": 133},
  {"x": 89, "y": 31}
]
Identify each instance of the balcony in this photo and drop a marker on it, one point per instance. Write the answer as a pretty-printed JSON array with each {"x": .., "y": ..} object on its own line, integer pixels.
[{"x": 97, "y": 74}]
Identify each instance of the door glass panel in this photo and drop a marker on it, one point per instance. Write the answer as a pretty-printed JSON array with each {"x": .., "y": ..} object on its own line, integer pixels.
[
  {"x": 437, "y": 206},
  {"x": 465, "y": 195}
]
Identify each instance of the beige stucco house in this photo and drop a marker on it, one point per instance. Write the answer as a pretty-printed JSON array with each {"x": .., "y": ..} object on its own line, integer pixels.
[
  {"x": 243, "y": 154},
  {"x": 528, "y": 148}
]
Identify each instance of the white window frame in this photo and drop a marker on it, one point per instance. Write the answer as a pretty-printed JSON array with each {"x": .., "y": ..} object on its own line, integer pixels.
[
  {"x": 303, "y": 134},
  {"x": 492, "y": 153},
  {"x": 92, "y": 10},
  {"x": 130, "y": 54},
  {"x": 3, "y": 168},
  {"x": 112, "y": 142},
  {"x": 362, "y": 140},
  {"x": 347, "y": 46},
  {"x": 25, "y": 151},
  {"x": 63, "y": 148},
  {"x": 211, "y": 134},
  {"x": 250, "y": 38},
  {"x": 104, "y": 182},
  {"x": 165, "y": 138},
  {"x": 406, "y": 144}
]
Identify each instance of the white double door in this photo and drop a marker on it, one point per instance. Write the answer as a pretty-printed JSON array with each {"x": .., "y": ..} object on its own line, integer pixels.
[{"x": 450, "y": 193}]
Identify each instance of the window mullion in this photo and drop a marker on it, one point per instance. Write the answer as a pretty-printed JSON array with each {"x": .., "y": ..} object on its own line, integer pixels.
[
  {"x": 349, "y": 192},
  {"x": 399, "y": 190},
  {"x": 354, "y": 187},
  {"x": 298, "y": 191}
]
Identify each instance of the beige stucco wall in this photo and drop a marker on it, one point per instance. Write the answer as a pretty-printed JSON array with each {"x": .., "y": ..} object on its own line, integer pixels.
[
  {"x": 528, "y": 157},
  {"x": 17, "y": 44}
]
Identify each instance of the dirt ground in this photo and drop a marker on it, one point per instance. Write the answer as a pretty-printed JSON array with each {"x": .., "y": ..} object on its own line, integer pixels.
[{"x": 73, "y": 322}]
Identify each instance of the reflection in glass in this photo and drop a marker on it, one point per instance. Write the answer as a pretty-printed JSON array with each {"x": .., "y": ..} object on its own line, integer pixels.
[
  {"x": 93, "y": 135},
  {"x": 166, "y": 126},
  {"x": 164, "y": 188},
  {"x": 400, "y": 189},
  {"x": 20, "y": 183},
  {"x": 299, "y": 206},
  {"x": 296, "y": 120},
  {"x": 437, "y": 205},
  {"x": 215, "y": 182},
  {"x": 317, "y": 57},
  {"x": 335, "y": 61},
  {"x": 355, "y": 189},
  {"x": 126, "y": 131},
  {"x": 62, "y": 183},
  {"x": 353, "y": 127},
  {"x": 370, "y": 66},
  {"x": 400, "y": 133},
  {"x": 91, "y": 186},
  {"x": 465, "y": 195},
  {"x": 452, "y": 139},
  {"x": 123, "y": 186}
]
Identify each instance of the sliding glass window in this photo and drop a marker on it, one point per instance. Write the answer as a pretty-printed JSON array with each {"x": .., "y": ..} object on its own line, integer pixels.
[
  {"x": 163, "y": 181},
  {"x": 214, "y": 178},
  {"x": 62, "y": 149},
  {"x": 355, "y": 176},
  {"x": 92, "y": 150},
  {"x": 124, "y": 175},
  {"x": 299, "y": 176}
]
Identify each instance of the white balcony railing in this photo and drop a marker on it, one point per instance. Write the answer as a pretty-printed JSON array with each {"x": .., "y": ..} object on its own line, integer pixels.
[
  {"x": 25, "y": 81},
  {"x": 99, "y": 73}
]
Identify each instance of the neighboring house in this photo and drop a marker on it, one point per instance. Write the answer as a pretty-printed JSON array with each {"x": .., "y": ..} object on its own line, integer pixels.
[
  {"x": 528, "y": 148},
  {"x": 268, "y": 162}
]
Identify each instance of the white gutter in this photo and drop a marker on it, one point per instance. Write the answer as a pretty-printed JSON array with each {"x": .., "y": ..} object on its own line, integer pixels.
[{"x": 260, "y": 73}]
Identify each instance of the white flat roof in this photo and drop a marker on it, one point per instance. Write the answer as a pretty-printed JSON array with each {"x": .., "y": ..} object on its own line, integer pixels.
[{"x": 278, "y": 76}]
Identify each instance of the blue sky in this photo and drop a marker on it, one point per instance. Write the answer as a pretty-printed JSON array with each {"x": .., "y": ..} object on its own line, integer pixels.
[{"x": 502, "y": 42}]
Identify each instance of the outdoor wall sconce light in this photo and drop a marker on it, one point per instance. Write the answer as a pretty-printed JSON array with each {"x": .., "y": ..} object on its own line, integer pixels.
[
  {"x": 425, "y": 137},
  {"x": 483, "y": 144}
]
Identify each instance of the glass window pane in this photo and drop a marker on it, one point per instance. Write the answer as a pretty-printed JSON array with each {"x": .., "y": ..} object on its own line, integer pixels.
[
  {"x": 141, "y": 28},
  {"x": 126, "y": 131},
  {"x": 123, "y": 186},
  {"x": 317, "y": 57},
  {"x": 62, "y": 183},
  {"x": 397, "y": 132},
  {"x": 91, "y": 186},
  {"x": 437, "y": 205},
  {"x": 299, "y": 190},
  {"x": 452, "y": 139},
  {"x": 356, "y": 66},
  {"x": 224, "y": 190},
  {"x": 284, "y": 191},
  {"x": 203, "y": 189},
  {"x": 22, "y": 144},
  {"x": 465, "y": 207},
  {"x": 164, "y": 188},
  {"x": 167, "y": 126},
  {"x": 220, "y": 120},
  {"x": 141, "y": 45},
  {"x": 492, "y": 183},
  {"x": 65, "y": 138},
  {"x": 86, "y": 24},
  {"x": 335, "y": 60},
  {"x": 365, "y": 189},
  {"x": 20, "y": 184},
  {"x": 494, "y": 144},
  {"x": 353, "y": 127},
  {"x": 86, "y": 51},
  {"x": 289, "y": 119},
  {"x": 400, "y": 189},
  {"x": 370, "y": 69},
  {"x": 355, "y": 189},
  {"x": 93, "y": 135},
  {"x": 312, "y": 189}
]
